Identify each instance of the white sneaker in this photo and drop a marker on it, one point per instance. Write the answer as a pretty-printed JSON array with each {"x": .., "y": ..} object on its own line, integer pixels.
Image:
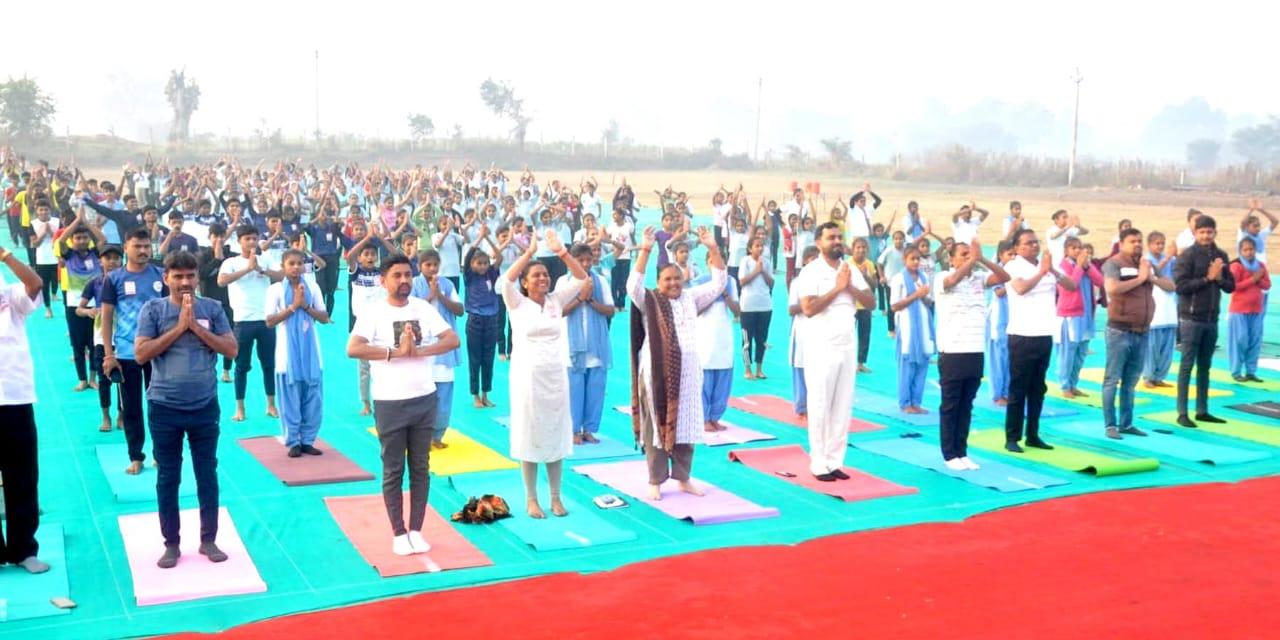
[
  {"x": 401, "y": 546},
  {"x": 420, "y": 545},
  {"x": 969, "y": 464},
  {"x": 955, "y": 464}
]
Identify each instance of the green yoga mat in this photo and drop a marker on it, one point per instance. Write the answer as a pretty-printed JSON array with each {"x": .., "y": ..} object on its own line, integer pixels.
[
  {"x": 1241, "y": 429},
  {"x": 1270, "y": 386},
  {"x": 1162, "y": 444},
  {"x": 24, "y": 595},
  {"x": 1094, "y": 400},
  {"x": 1065, "y": 457}
]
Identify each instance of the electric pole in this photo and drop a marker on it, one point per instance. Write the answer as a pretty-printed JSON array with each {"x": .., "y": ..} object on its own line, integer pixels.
[
  {"x": 755, "y": 156},
  {"x": 317, "y": 98},
  {"x": 1075, "y": 130}
]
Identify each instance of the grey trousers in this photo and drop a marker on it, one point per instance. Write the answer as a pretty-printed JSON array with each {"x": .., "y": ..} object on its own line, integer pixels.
[
  {"x": 662, "y": 465},
  {"x": 405, "y": 426}
]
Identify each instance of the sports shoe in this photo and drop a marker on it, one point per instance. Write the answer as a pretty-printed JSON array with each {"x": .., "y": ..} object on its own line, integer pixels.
[
  {"x": 401, "y": 546},
  {"x": 955, "y": 464},
  {"x": 420, "y": 545},
  {"x": 969, "y": 464}
]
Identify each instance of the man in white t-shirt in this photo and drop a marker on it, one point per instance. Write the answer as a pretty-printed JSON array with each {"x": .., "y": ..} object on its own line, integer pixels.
[
  {"x": 964, "y": 227},
  {"x": 829, "y": 290},
  {"x": 1187, "y": 236},
  {"x": 1064, "y": 226},
  {"x": 395, "y": 336},
  {"x": 247, "y": 277},
  {"x": 1033, "y": 319}
]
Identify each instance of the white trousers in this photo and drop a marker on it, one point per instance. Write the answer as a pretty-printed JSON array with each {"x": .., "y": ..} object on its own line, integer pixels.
[{"x": 830, "y": 378}]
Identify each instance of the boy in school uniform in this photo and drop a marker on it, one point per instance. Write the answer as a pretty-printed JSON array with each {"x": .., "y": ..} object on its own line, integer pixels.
[
  {"x": 1163, "y": 335},
  {"x": 440, "y": 292}
]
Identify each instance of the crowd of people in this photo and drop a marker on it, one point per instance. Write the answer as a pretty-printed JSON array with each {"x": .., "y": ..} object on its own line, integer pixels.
[{"x": 174, "y": 274}]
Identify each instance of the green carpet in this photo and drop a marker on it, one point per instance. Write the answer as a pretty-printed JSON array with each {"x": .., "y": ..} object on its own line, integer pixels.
[{"x": 1065, "y": 457}]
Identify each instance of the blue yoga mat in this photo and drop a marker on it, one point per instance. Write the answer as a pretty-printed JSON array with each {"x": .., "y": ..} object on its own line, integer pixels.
[
  {"x": 994, "y": 475},
  {"x": 585, "y": 526},
  {"x": 1161, "y": 444},
  {"x": 606, "y": 448},
  {"x": 1049, "y": 410},
  {"x": 23, "y": 595},
  {"x": 869, "y": 402},
  {"x": 113, "y": 458}
]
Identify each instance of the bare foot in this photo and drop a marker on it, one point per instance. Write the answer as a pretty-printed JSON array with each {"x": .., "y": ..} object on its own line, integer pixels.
[
  {"x": 688, "y": 487},
  {"x": 82, "y": 386},
  {"x": 655, "y": 492},
  {"x": 134, "y": 468},
  {"x": 106, "y": 426},
  {"x": 120, "y": 422},
  {"x": 589, "y": 438},
  {"x": 487, "y": 403},
  {"x": 366, "y": 410},
  {"x": 226, "y": 376},
  {"x": 271, "y": 411},
  {"x": 921, "y": 410},
  {"x": 1002, "y": 402},
  {"x": 239, "y": 416},
  {"x": 718, "y": 426},
  {"x": 862, "y": 368},
  {"x": 749, "y": 376},
  {"x": 1149, "y": 384},
  {"x": 577, "y": 438},
  {"x": 535, "y": 510},
  {"x": 557, "y": 508},
  {"x": 48, "y": 313},
  {"x": 93, "y": 384},
  {"x": 439, "y": 445},
  {"x": 477, "y": 403},
  {"x": 502, "y": 357},
  {"x": 760, "y": 375},
  {"x": 709, "y": 426}
]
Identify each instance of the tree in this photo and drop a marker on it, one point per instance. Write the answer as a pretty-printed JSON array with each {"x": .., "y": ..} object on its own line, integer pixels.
[
  {"x": 841, "y": 151},
  {"x": 184, "y": 97},
  {"x": 420, "y": 126},
  {"x": 1203, "y": 153},
  {"x": 796, "y": 155},
  {"x": 610, "y": 135},
  {"x": 25, "y": 110},
  {"x": 502, "y": 100},
  {"x": 1259, "y": 145},
  {"x": 717, "y": 147}
]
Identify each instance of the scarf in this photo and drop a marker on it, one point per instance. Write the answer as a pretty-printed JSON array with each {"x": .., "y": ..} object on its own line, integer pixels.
[
  {"x": 1252, "y": 265},
  {"x": 304, "y": 357},
  {"x": 915, "y": 348},
  {"x": 594, "y": 338},
  {"x": 658, "y": 324},
  {"x": 1257, "y": 241},
  {"x": 914, "y": 228}
]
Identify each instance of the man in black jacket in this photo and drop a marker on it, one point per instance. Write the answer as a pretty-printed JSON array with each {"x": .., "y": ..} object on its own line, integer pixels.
[{"x": 1200, "y": 276}]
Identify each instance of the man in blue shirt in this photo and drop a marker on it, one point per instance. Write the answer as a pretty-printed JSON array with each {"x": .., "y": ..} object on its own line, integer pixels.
[
  {"x": 326, "y": 242},
  {"x": 123, "y": 294},
  {"x": 181, "y": 336},
  {"x": 176, "y": 240}
]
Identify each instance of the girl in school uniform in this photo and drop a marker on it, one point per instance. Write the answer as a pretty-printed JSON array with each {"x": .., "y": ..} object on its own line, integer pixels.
[
  {"x": 481, "y": 307},
  {"x": 1162, "y": 336},
  {"x": 908, "y": 292},
  {"x": 998, "y": 336},
  {"x": 1244, "y": 315},
  {"x": 756, "y": 279},
  {"x": 714, "y": 331},
  {"x": 1072, "y": 337}
]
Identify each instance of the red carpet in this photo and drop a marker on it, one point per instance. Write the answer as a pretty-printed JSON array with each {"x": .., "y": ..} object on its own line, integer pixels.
[{"x": 1186, "y": 562}]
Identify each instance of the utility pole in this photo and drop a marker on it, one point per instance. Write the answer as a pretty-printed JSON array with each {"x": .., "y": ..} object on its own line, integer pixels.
[
  {"x": 755, "y": 156},
  {"x": 1075, "y": 130},
  {"x": 317, "y": 132}
]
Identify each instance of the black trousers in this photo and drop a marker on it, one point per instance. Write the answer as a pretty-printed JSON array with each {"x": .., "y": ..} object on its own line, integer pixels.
[
  {"x": 200, "y": 426},
  {"x": 959, "y": 375},
  {"x": 19, "y": 464},
  {"x": 504, "y": 331},
  {"x": 862, "y": 318},
  {"x": 1196, "y": 350},
  {"x": 482, "y": 337},
  {"x": 49, "y": 275},
  {"x": 327, "y": 280},
  {"x": 618, "y": 282},
  {"x": 755, "y": 329},
  {"x": 81, "y": 332},
  {"x": 1028, "y": 363},
  {"x": 885, "y": 292},
  {"x": 104, "y": 381},
  {"x": 137, "y": 377},
  {"x": 247, "y": 334},
  {"x": 882, "y": 299}
]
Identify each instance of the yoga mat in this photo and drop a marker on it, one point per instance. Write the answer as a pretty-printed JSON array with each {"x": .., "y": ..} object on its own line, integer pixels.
[
  {"x": 364, "y": 521},
  {"x": 733, "y": 434},
  {"x": 716, "y": 507},
  {"x": 1263, "y": 409},
  {"x": 304, "y": 470},
  {"x": 1094, "y": 400},
  {"x": 1095, "y": 375},
  {"x": 1220, "y": 375},
  {"x": 793, "y": 460},
  {"x": 1241, "y": 429},
  {"x": 463, "y": 455},
  {"x": 1047, "y": 411},
  {"x": 24, "y": 595},
  {"x": 606, "y": 448},
  {"x": 1065, "y": 457},
  {"x": 113, "y": 458},
  {"x": 195, "y": 577},
  {"x": 585, "y": 526},
  {"x": 780, "y": 410},
  {"x": 1269, "y": 363},
  {"x": 865, "y": 402},
  {"x": 992, "y": 474},
  {"x": 1163, "y": 444}
]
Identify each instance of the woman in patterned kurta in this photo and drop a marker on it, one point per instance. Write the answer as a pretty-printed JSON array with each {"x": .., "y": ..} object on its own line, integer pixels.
[
  {"x": 667, "y": 417},
  {"x": 541, "y": 427}
]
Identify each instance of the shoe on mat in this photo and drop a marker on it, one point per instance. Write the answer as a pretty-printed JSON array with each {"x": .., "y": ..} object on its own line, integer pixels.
[
  {"x": 1132, "y": 431},
  {"x": 955, "y": 464},
  {"x": 311, "y": 451},
  {"x": 825, "y": 477},
  {"x": 1114, "y": 433},
  {"x": 969, "y": 464},
  {"x": 212, "y": 552},
  {"x": 170, "y": 558},
  {"x": 839, "y": 474},
  {"x": 295, "y": 451},
  {"x": 1204, "y": 417},
  {"x": 401, "y": 546}
]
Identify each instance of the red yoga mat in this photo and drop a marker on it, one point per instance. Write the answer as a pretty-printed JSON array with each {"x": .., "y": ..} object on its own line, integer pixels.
[
  {"x": 779, "y": 410},
  {"x": 304, "y": 470},
  {"x": 791, "y": 463},
  {"x": 364, "y": 521}
]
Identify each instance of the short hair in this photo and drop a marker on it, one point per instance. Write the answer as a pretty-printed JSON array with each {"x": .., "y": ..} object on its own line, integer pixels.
[
  {"x": 180, "y": 261},
  {"x": 906, "y": 253},
  {"x": 859, "y": 196},
  {"x": 809, "y": 252},
  {"x": 1206, "y": 222},
  {"x": 430, "y": 255},
  {"x": 1059, "y": 212},
  {"x": 293, "y": 253},
  {"x": 1155, "y": 235},
  {"x": 42, "y": 203},
  {"x": 217, "y": 229},
  {"x": 148, "y": 208},
  {"x": 1130, "y": 232},
  {"x": 274, "y": 213},
  {"x": 1003, "y": 246},
  {"x": 79, "y": 231},
  {"x": 175, "y": 215},
  {"x": 391, "y": 261},
  {"x": 1193, "y": 212},
  {"x": 678, "y": 245},
  {"x": 408, "y": 235},
  {"x": 1071, "y": 242},
  {"x": 955, "y": 246},
  {"x": 822, "y": 228},
  {"x": 294, "y": 237},
  {"x": 140, "y": 233},
  {"x": 579, "y": 249},
  {"x": 1013, "y": 204},
  {"x": 1017, "y": 237},
  {"x": 246, "y": 230},
  {"x": 858, "y": 241}
]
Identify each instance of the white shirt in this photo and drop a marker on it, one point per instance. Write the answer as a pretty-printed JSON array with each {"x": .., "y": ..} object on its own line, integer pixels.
[
  {"x": 1034, "y": 313},
  {"x": 1058, "y": 245},
  {"x": 801, "y": 210},
  {"x": 1263, "y": 234},
  {"x": 275, "y": 304},
  {"x": 961, "y": 313},
  {"x": 1008, "y": 222},
  {"x": 720, "y": 213},
  {"x": 716, "y": 339},
  {"x": 755, "y": 294},
  {"x": 795, "y": 352},
  {"x": 381, "y": 325},
  {"x": 248, "y": 295},
  {"x": 621, "y": 234},
  {"x": 44, "y": 250},
  {"x": 833, "y": 328},
  {"x": 17, "y": 375},
  {"x": 1166, "y": 307},
  {"x": 858, "y": 224},
  {"x": 1185, "y": 238},
  {"x": 963, "y": 231}
]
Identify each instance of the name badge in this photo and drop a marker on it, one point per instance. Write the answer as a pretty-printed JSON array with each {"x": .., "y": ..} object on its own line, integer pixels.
[
  {"x": 89, "y": 263},
  {"x": 130, "y": 288},
  {"x": 328, "y": 237},
  {"x": 204, "y": 324}
]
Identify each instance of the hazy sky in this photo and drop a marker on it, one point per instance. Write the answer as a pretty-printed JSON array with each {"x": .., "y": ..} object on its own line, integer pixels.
[{"x": 677, "y": 72}]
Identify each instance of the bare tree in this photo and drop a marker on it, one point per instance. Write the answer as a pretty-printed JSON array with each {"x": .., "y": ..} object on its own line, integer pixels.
[
  {"x": 501, "y": 98},
  {"x": 840, "y": 151},
  {"x": 184, "y": 97}
]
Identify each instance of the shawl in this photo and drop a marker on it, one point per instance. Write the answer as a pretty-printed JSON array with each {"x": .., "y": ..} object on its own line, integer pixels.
[{"x": 658, "y": 324}]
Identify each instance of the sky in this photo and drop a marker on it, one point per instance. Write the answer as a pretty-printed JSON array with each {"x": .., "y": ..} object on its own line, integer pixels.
[{"x": 893, "y": 77}]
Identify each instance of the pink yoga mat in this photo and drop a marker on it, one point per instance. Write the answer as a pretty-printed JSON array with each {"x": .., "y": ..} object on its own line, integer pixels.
[
  {"x": 364, "y": 521},
  {"x": 777, "y": 409},
  {"x": 793, "y": 460},
  {"x": 304, "y": 470},
  {"x": 716, "y": 507},
  {"x": 194, "y": 577},
  {"x": 733, "y": 434}
]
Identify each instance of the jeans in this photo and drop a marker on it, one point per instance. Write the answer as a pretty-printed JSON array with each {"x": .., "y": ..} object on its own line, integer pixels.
[
  {"x": 755, "y": 329},
  {"x": 200, "y": 425},
  {"x": 1126, "y": 353},
  {"x": 1028, "y": 363},
  {"x": 248, "y": 333},
  {"x": 482, "y": 337},
  {"x": 1198, "y": 341}
]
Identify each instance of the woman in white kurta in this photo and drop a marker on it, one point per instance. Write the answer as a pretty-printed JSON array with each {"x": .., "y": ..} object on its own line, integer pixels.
[
  {"x": 541, "y": 425},
  {"x": 669, "y": 447}
]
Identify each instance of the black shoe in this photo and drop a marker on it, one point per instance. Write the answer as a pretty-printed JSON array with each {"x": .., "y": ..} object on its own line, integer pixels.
[
  {"x": 826, "y": 477},
  {"x": 1012, "y": 446},
  {"x": 1239, "y": 378},
  {"x": 839, "y": 474},
  {"x": 1039, "y": 444},
  {"x": 1132, "y": 431},
  {"x": 1204, "y": 417},
  {"x": 295, "y": 451},
  {"x": 311, "y": 451},
  {"x": 1253, "y": 378},
  {"x": 1114, "y": 433},
  {"x": 212, "y": 552},
  {"x": 170, "y": 558},
  {"x": 1184, "y": 421}
]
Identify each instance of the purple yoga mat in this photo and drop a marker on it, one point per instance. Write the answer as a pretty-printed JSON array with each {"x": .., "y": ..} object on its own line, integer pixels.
[
  {"x": 716, "y": 507},
  {"x": 733, "y": 434}
]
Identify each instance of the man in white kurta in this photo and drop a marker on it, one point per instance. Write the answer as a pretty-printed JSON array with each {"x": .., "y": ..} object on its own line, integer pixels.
[{"x": 829, "y": 290}]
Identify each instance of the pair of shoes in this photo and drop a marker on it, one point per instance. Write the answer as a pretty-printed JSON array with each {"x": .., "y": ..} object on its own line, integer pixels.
[
  {"x": 1132, "y": 431},
  {"x": 969, "y": 464},
  {"x": 1039, "y": 444},
  {"x": 401, "y": 546},
  {"x": 1204, "y": 417},
  {"x": 1012, "y": 447},
  {"x": 295, "y": 451},
  {"x": 212, "y": 552},
  {"x": 311, "y": 451},
  {"x": 170, "y": 558},
  {"x": 955, "y": 464},
  {"x": 1239, "y": 378},
  {"x": 420, "y": 545},
  {"x": 1253, "y": 378},
  {"x": 839, "y": 474},
  {"x": 825, "y": 477},
  {"x": 1184, "y": 421},
  {"x": 1114, "y": 433}
]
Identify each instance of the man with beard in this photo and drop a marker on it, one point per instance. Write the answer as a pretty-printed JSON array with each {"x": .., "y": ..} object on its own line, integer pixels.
[
  {"x": 1129, "y": 278},
  {"x": 828, "y": 289},
  {"x": 1200, "y": 276},
  {"x": 181, "y": 336}
]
